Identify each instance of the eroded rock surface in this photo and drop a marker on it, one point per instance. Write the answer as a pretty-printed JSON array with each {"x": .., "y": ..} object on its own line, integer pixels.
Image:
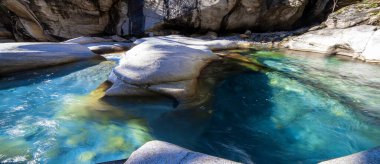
[
  {"x": 160, "y": 152},
  {"x": 353, "y": 15},
  {"x": 221, "y": 15},
  {"x": 360, "y": 42},
  {"x": 23, "y": 56},
  {"x": 48, "y": 20},
  {"x": 167, "y": 65}
]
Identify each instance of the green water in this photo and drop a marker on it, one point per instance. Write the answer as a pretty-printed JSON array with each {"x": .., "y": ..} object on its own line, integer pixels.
[{"x": 299, "y": 108}]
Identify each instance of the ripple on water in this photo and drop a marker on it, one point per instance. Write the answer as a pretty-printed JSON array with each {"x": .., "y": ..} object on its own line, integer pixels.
[{"x": 290, "y": 113}]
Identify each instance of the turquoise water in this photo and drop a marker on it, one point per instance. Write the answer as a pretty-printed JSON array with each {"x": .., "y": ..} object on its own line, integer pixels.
[
  {"x": 301, "y": 109},
  {"x": 46, "y": 118}
]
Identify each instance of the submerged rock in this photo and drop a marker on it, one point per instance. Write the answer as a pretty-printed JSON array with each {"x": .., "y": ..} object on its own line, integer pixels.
[
  {"x": 167, "y": 65},
  {"x": 360, "y": 42},
  {"x": 23, "y": 56},
  {"x": 162, "y": 152}
]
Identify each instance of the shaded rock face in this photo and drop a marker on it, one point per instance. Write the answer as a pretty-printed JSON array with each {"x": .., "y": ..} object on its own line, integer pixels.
[
  {"x": 72, "y": 18},
  {"x": 46, "y": 20},
  {"x": 231, "y": 15},
  {"x": 5, "y": 35},
  {"x": 50, "y": 20}
]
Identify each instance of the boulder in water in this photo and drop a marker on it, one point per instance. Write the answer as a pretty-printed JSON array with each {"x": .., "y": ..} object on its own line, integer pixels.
[
  {"x": 163, "y": 66},
  {"x": 23, "y": 56},
  {"x": 167, "y": 65}
]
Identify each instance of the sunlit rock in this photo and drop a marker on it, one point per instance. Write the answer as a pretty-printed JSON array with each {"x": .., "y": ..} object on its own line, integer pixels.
[
  {"x": 353, "y": 15},
  {"x": 24, "y": 56},
  {"x": 109, "y": 47},
  {"x": 87, "y": 40},
  {"x": 167, "y": 65},
  {"x": 163, "y": 152},
  {"x": 162, "y": 65},
  {"x": 360, "y": 42}
]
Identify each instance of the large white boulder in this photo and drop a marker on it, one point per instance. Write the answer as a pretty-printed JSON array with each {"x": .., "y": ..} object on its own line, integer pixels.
[
  {"x": 358, "y": 42},
  {"x": 23, "y": 56},
  {"x": 158, "y": 65},
  {"x": 167, "y": 65}
]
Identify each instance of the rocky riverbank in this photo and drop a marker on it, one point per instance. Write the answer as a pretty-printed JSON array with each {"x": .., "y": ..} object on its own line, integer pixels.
[{"x": 171, "y": 65}]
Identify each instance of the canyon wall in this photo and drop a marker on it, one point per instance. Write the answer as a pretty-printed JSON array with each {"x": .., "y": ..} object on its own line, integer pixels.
[{"x": 52, "y": 20}]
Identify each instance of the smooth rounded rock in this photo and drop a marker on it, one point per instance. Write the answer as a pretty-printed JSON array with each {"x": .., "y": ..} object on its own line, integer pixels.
[
  {"x": 109, "y": 47},
  {"x": 23, "y": 56},
  {"x": 167, "y": 65},
  {"x": 360, "y": 42},
  {"x": 87, "y": 40},
  {"x": 159, "y": 152}
]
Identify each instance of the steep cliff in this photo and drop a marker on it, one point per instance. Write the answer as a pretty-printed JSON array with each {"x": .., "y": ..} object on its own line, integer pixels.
[{"x": 50, "y": 20}]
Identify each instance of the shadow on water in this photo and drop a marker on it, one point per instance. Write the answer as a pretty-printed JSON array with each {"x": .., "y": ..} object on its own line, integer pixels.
[
  {"x": 232, "y": 95},
  {"x": 245, "y": 112},
  {"x": 38, "y": 75},
  {"x": 222, "y": 124},
  {"x": 239, "y": 101},
  {"x": 180, "y": 126}
]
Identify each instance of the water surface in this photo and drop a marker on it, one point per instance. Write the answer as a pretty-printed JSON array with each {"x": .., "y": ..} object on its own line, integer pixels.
[{"x": 300, "y": 109}]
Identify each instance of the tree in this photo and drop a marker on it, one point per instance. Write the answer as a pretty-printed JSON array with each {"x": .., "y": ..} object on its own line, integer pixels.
[{"x": 334, "y": 5}]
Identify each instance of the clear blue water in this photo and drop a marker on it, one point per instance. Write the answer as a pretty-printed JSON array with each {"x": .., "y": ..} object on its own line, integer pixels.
[{"x": 302, "y": 109}]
